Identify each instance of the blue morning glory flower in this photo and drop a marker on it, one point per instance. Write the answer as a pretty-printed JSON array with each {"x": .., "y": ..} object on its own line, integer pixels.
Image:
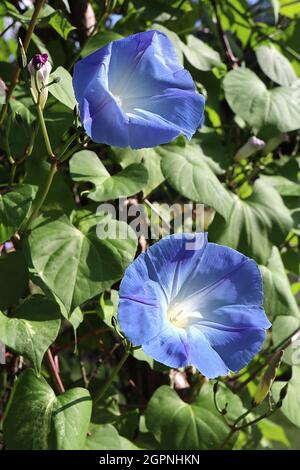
[
  {"x": 190, "y": 302},
  {"x": 133, "y": 92}
]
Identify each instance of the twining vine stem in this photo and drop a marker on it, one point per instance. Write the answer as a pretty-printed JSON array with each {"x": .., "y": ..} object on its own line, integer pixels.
[
  {"x": 38, "y": 6},
  {"x": 233, "y": 61}
]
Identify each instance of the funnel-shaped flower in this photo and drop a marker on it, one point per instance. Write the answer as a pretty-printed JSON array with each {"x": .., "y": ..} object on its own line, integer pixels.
[
  {"x": 133, "y": 92},
  {"x": 194, "y": 303},
  {"x": 40, "y": 68}
]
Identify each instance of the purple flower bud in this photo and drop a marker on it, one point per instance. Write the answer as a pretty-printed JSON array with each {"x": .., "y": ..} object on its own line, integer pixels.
[
  {"x": 38, "y": 60},
  {"x": 40, "y": 68},
  {"x": 252, "y": 145}
]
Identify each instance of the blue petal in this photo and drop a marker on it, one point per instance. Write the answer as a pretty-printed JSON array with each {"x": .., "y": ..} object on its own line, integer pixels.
[
  {"x": 170, "y": 347},
  {"x": 237, "y": 316},
  {"x": 88, "y": 69},
  {"x": 223, "y": 277},
  {"x": 142, "y": 306},
  {"x": 108, "y": 124},
  {"x": 125, "y": 58},
  {"x": 172, "y": 260},
  {"x": 149, "y": 130},
  {"x": 216, "y": 294},
  {"x": 203, "y": 356},
  {"x": 161, "y": 118},
  {"x": 134, "y": 92},
  {"x": 102, "y": 118},
  {"x": 152, "y": 279},
  {"x": 235, "y": 345},
  {"x": 145, "y": 64}
]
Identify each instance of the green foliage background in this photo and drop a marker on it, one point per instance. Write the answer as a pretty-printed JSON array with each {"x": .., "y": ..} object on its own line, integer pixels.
[{"x": 59, "y": 281}]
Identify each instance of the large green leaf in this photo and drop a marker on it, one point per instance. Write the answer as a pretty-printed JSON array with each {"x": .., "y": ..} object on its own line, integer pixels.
[
  {"x": 291, "y": 403},
  {"x": 63, "y": 90},
  {"x": 14, "y": 207},
  {"x": 78, "y": 266},
  {"x": 275, "y": 65},
  {"x": 189, "y": 171},
  {"x": 86, "y": 166},
  {"x": 255, "y": 224},
  {"x": 200, "y": 54},
  {"x": 279, "y": 299},
  {"x": 14, "y": 278},
  {"x": 150, "y": 158},
  {"x": 106, "y": 437},
  {"x": 197, "y": 426},
  {"x": 33, "y": 328},
  {"x": 249, "y": 98},
  {"x": 38, "y": 420}
]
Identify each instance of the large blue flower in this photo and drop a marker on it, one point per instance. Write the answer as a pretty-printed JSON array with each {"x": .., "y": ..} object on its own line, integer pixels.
[
  {"x": 194, "y": 303},
  {"x": 133, "y": 92}
]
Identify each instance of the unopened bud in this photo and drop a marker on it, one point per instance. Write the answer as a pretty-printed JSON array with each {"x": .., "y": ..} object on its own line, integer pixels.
[
  {"x": 252, "y": 146},
  {"x": 40, "y": 68},
  {"x": 268, "y": 378}
]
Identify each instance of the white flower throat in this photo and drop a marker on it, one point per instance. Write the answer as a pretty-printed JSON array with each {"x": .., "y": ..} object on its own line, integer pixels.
[{"x": 182, "y": 314}]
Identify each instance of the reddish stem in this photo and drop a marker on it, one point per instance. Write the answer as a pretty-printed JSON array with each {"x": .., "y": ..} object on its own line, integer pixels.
[{"x": 54, "y": 374}]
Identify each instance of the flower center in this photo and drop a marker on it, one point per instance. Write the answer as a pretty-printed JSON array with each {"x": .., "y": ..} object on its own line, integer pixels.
[
  {"x": 182, "y": 314},
  {"x": 177, "y": 315}
]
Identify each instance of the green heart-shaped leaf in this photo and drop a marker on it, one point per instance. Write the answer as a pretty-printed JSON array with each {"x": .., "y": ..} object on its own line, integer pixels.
[
  {"x": 190, "y": 172},
  {"x": 200, "y": 54},
  {"x": 36, "y": 419},
  {"x": 249, "y": 98},
  {"x": 179, "y": 425},
  {"x": 275, "y": 65},
  {"x": 33, "y": 328},
  {"x": 77, "y": 266},
  {"x": 86, "y": 166},
  {"x": 255, "y": 224}
]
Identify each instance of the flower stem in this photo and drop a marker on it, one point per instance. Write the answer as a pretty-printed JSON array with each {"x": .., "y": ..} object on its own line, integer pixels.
[
  {"x": 113, "y": 375},
  {"x": 45, "y": 132},
  {"x": 38, "y": 6},
  {"x": 67, "y": 145}
]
